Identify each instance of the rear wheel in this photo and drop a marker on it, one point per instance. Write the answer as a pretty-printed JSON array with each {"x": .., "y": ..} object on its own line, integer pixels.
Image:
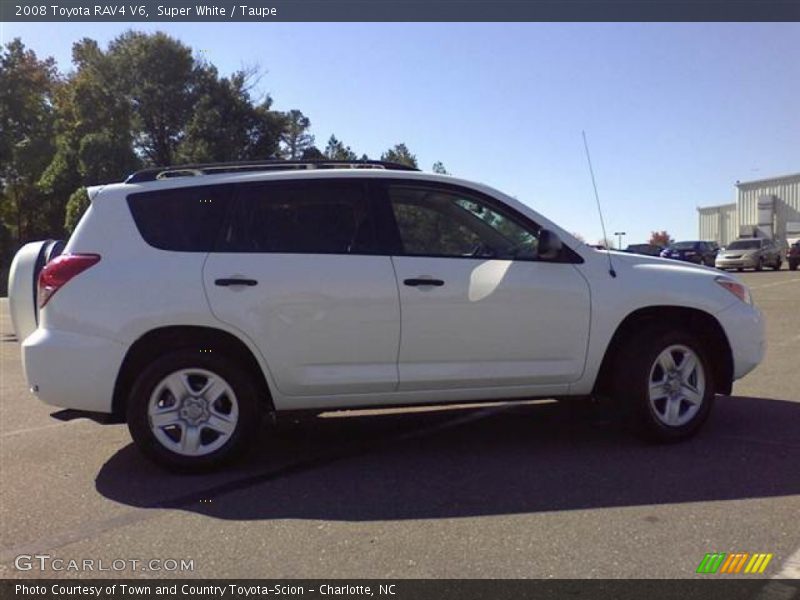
[
  {"x": 665, "y": 383},
  {"x": 793, "y": 265},
  {"x": 777, "y": 265},
  {"x": 193, "y": 412}
]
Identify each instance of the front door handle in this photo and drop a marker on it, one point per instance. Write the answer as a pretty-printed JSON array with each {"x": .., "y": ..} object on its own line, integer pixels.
[
  {"x": 235, "y": 281},
  {"x": 423, "y": 281}
]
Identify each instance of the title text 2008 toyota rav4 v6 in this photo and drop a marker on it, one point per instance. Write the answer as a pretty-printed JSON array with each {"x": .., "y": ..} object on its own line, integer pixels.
[{"x": 191, "y": 301}]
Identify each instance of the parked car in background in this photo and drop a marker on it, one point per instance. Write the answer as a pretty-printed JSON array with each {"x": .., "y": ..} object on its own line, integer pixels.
[
  {"x": 750, "y": 253},
  {"x": 793, "y": 255},
  {"x": 645, "y": 249},
  {"x": 192, "y": 301},
  {"x": 697, "y": 252}
]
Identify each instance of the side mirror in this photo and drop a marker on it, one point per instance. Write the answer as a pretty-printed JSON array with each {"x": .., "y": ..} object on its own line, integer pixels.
[{"x": 549, "y": 245}]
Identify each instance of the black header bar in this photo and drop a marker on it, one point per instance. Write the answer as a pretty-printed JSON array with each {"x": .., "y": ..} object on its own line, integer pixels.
[
  {"x": 710, "y": 587},
  {"x": 265, "y": 11}
]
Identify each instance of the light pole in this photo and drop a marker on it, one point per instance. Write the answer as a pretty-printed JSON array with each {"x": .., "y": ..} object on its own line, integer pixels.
[{"x": 619, "y": 235}]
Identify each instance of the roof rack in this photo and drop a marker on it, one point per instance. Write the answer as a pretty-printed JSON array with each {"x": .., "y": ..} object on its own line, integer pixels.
[{"x": 158, "y": 173}]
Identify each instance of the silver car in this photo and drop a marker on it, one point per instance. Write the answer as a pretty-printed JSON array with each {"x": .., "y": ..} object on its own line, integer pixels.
[{"x": 751, "y": 253}]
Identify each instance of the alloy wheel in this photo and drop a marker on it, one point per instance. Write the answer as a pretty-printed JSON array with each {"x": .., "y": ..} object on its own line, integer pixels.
[
  {"x": 677, "y": 385},
  {"x": 193, "y": 412}
]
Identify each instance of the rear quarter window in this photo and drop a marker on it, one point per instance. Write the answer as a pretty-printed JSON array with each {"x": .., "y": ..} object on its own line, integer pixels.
[{"x": 182, "y": 219}]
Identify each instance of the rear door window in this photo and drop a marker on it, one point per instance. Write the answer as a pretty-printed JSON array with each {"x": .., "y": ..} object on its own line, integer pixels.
[
  {"x": 181, "y": 219},
  {"x": 308, "y": 217}
]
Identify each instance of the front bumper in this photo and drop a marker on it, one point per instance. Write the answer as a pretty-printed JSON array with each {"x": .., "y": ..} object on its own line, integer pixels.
[
  {"x": 745, "y": 262},
  {"x": 71, "y": 370},
  {"x": 744, "y": 326}
]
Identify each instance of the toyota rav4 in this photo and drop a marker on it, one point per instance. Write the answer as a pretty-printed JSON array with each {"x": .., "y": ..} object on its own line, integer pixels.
[{"x": 190, "y": 301}]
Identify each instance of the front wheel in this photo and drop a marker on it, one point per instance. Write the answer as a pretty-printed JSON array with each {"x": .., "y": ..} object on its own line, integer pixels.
[
  {"x": 777, "y": 265},
  {"x": 666, "y": 384},
  {"x": 193, "y": 412}
]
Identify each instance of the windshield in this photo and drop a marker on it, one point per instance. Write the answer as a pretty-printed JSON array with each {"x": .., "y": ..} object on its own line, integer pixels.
[
  {"x": 744, "y": 245},
  {"x": 684, "y": 246}
]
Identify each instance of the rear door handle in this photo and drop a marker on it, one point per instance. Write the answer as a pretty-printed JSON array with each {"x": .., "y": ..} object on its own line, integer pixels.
[
  {"x": 235, "y": 281},
  {"x": 423, "y": 281}
]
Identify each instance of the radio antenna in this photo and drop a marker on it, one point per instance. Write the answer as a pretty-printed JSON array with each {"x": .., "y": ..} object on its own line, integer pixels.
[{"x": 611, "y": 270}]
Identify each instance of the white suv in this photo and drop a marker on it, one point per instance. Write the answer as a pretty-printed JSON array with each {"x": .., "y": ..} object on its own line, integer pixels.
[{"x": 190, "y": 301}]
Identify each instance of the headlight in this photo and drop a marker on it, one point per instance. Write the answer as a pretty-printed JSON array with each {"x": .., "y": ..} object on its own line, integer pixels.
[{"x": 737, "y": 289}]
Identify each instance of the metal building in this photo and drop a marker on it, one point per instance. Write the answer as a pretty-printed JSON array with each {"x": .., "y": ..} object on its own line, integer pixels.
[
  {"x": 764, "y": 207},
  {"x": 718, "y": 223}
]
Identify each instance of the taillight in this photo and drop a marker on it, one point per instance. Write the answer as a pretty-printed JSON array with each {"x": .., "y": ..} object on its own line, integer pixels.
[{"x": 60, "y": 270}]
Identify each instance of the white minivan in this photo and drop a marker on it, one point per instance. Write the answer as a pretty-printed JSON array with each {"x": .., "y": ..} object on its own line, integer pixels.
[{"x": 192, "y": 300}]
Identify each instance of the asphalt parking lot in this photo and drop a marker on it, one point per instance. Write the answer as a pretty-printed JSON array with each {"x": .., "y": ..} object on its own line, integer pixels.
[{"x": 527, "y": 490}]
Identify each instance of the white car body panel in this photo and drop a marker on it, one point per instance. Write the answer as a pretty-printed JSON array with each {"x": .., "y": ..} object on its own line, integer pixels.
[
  {"x": 84, "y": 381},
  {"x": 326, "y": 324},
  {"x": 21, "y": 291},
  {"x": 641, "y": 282},
  {"x": 493, "y": 323}
]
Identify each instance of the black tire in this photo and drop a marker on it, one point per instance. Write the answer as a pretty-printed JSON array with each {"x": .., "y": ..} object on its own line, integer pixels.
[
  {"x": 760, "y": 264},
  {"x": 793, "y": 265},
  {"x": 632, "y": 382},
  {"x": 246, "y": 399},
  {"x": 777, "y": 265}
]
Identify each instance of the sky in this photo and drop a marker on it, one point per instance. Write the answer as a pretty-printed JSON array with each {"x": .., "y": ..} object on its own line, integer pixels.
[{"x": 675, "y": 114}]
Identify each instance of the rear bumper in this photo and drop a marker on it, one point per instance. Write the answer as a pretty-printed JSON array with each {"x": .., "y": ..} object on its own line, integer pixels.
[
  {"x": 70, "y": 370},
  {"x": 744, "y": 326}
]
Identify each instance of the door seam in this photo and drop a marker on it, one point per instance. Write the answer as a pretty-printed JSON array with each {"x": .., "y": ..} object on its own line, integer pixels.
[{"x": 400, "y": 332}]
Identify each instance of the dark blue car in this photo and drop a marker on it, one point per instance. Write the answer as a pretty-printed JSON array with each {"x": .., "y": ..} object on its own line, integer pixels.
[{"x": 699, "y": 253}]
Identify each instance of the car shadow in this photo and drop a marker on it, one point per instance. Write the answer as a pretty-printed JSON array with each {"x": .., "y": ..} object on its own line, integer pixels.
[{"x": 501, "y": 460}]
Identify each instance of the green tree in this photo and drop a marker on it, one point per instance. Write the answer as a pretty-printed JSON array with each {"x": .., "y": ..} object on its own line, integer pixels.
[
  {"x": 336, "y": 150},
  {"x": 312, "y": 153},
  {"x": 76, "y": 205},
  {"x": 27, "y": 88},
  {"x": 93, "y": 130},
  {"x": 159, "y": 78},
  {"x": 399, "y": 153},
  {"x": 438, "y": 167},
  {"x": 225, "y": 124},
  {"x": 295, "y": 138},
  {"x": 93, "y": 137}
]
